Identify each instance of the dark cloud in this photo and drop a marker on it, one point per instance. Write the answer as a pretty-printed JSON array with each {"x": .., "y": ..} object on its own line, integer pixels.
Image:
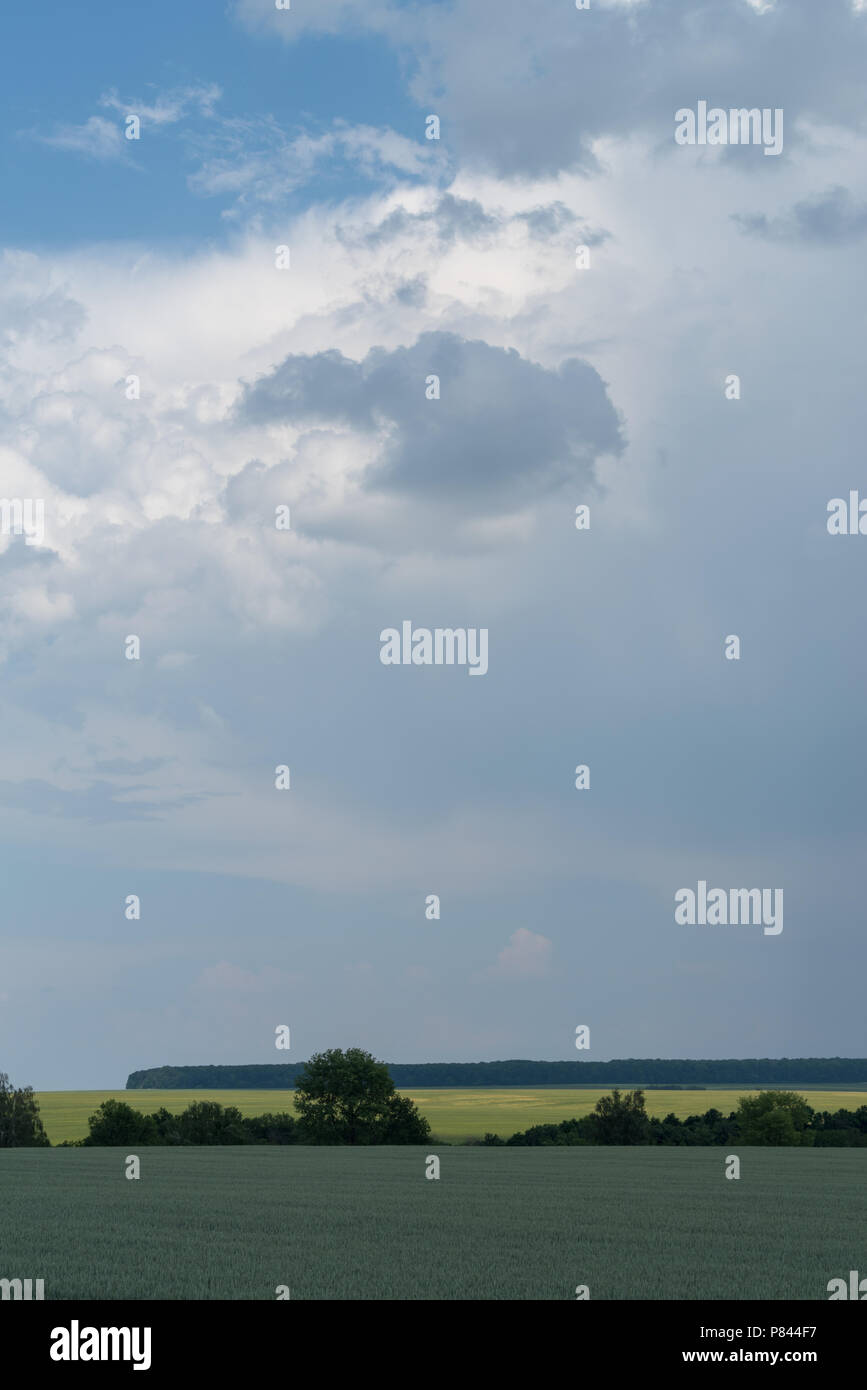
[
  {"x": 412, "y": 293},
  {"x": 833, "y": 218},
  {"x": 548, "y": 220},
  {"x": 503, "y": 430},
  {"x": 527, "y": 88},
  {"x": 455, "y": 219},
  {"x": 452, "y": 219}
]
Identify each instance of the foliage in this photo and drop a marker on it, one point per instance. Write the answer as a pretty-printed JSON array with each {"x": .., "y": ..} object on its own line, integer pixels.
[
  {"x": 620, "y": 1119},
  {"x": 349, "y": 1098},
  {"x": 20, "y": 1124},
  {"x": 775, "y": 1118},
  {"x": 116, "y": 1123},
  {"x": 272, "y": 1129},
  {"x": 666, "y": 1073}
]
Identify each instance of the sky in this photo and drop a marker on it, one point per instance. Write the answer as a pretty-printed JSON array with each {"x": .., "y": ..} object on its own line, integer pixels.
[{"x": 169, "y": 385}]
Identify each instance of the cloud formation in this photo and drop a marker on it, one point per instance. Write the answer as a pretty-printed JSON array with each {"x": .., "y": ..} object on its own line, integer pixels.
[
  {"x": 527, "y": 956},
  {"x": 502, "y": 431}
]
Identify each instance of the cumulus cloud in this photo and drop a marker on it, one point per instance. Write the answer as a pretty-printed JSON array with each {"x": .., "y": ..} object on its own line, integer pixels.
[
  {"x": 527, "y": 956},
  {"x": 33, "y": 306},
  {"x": 530, "y": 89},
  {"x": 503, "y": 430},
  {"x": 259, "y": 647}
]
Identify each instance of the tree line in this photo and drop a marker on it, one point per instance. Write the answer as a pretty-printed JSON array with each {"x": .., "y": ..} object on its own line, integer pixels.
[
  {"x": 350, "y": 1098},
  {"x": 630, "y": 1071},
  {"x": 340, "y": 1098},
  {"x": 770, "y": 1118}
]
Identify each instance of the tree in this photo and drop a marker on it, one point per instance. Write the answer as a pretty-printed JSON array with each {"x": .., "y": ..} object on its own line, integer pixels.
[
  {"x": 620, "y": 1119},
  {"x": 20, "y": 1123},
  {"x": 115, "y": 1123},
  {"x": 774, "y": 1117},
  {"x": 403, "y": 1123},
  {"x": 349, "y": 1098},
  {"x": 272, "y": 1129},
  {"x": 208, "y": 1122},
  {"x": 168, "y": 1126}
]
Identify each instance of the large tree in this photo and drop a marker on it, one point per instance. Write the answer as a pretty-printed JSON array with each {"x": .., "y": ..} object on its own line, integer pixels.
[
  {"x": 774, "y": 1117},
  {"x": 115, "y": 1123},
  {"x": 20, "y": 1124},
  {"x": 349, "y": 1098},
  {"x": 620, "y": 1119}
]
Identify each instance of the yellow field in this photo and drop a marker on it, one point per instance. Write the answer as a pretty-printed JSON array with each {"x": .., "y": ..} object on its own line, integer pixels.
[
  {"x": 453, "y": 1114},
  {"x": 460, "y": 1114}
]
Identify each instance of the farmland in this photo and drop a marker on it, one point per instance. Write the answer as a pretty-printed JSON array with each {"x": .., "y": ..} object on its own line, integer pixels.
[
  {"x": 454, "y": 1114},
  {"x": 338, "y": 1223}
]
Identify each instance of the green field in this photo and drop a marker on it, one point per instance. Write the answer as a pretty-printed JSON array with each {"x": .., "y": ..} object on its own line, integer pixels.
[
  {"x": 453, "y": 1114},
  {"x": 338, "y": 1223}
]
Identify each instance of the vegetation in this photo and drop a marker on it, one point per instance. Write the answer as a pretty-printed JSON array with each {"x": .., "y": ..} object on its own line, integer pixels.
[
  {"x": 345, "y": 1223},
  {"x": 341, "y": 1098},
  {"x": 203, "y": 1122},
  {"x": 20, "y": 1125},
  {"x": 776, "y": 1118},
  {"x": 455, "y": 1116},
  {"x": 349, "y": 1098},
  {"x": 813, "y": 1071}
]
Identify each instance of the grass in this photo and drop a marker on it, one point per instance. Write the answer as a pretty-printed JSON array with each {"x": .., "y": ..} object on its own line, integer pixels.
[
  {"x": 236, "y": 1223},
  {"x": 454, "y": 1114}
]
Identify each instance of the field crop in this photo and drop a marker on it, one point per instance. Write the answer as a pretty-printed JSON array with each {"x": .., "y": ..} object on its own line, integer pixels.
[{"x": 340, "y": 1223}]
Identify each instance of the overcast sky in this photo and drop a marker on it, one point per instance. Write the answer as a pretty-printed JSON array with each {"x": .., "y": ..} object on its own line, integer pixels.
[{"x": 262, "y": 387}]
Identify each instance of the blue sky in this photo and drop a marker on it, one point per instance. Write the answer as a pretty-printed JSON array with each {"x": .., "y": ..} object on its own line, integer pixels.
[
  {"x": 58, "y": 65},
  {"x": 155, "y": 260}
]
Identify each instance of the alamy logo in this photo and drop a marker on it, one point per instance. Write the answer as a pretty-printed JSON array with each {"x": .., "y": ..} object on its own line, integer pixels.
[
  {"x": 17, "y": 518},
  {"x": 22, "y": 1289},
  {"x": 738, "y": 126},
  {"x": 444, "y": 646},
  {"x": 848, "y": 520},
  {"x": 76, "y": 1343},
  {"x": 857, "y": 1288},
  {"x": 718, "y": 908}
]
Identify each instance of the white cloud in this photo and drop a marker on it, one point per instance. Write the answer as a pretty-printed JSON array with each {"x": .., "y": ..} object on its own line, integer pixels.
[
  {"x": 101, "y": 139},
  {"x": 527, "y": 956},
  {"x": 96, "y": 138},
  {"x": 169, "y": 107},
  {"x": 258, "y": 164},
  {"x": 140, "y": 536}
]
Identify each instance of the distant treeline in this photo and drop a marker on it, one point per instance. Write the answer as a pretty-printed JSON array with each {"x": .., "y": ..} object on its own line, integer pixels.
[
  {"x": 661, "y": 1072},
  {"x": 779, "y": 1118}
]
